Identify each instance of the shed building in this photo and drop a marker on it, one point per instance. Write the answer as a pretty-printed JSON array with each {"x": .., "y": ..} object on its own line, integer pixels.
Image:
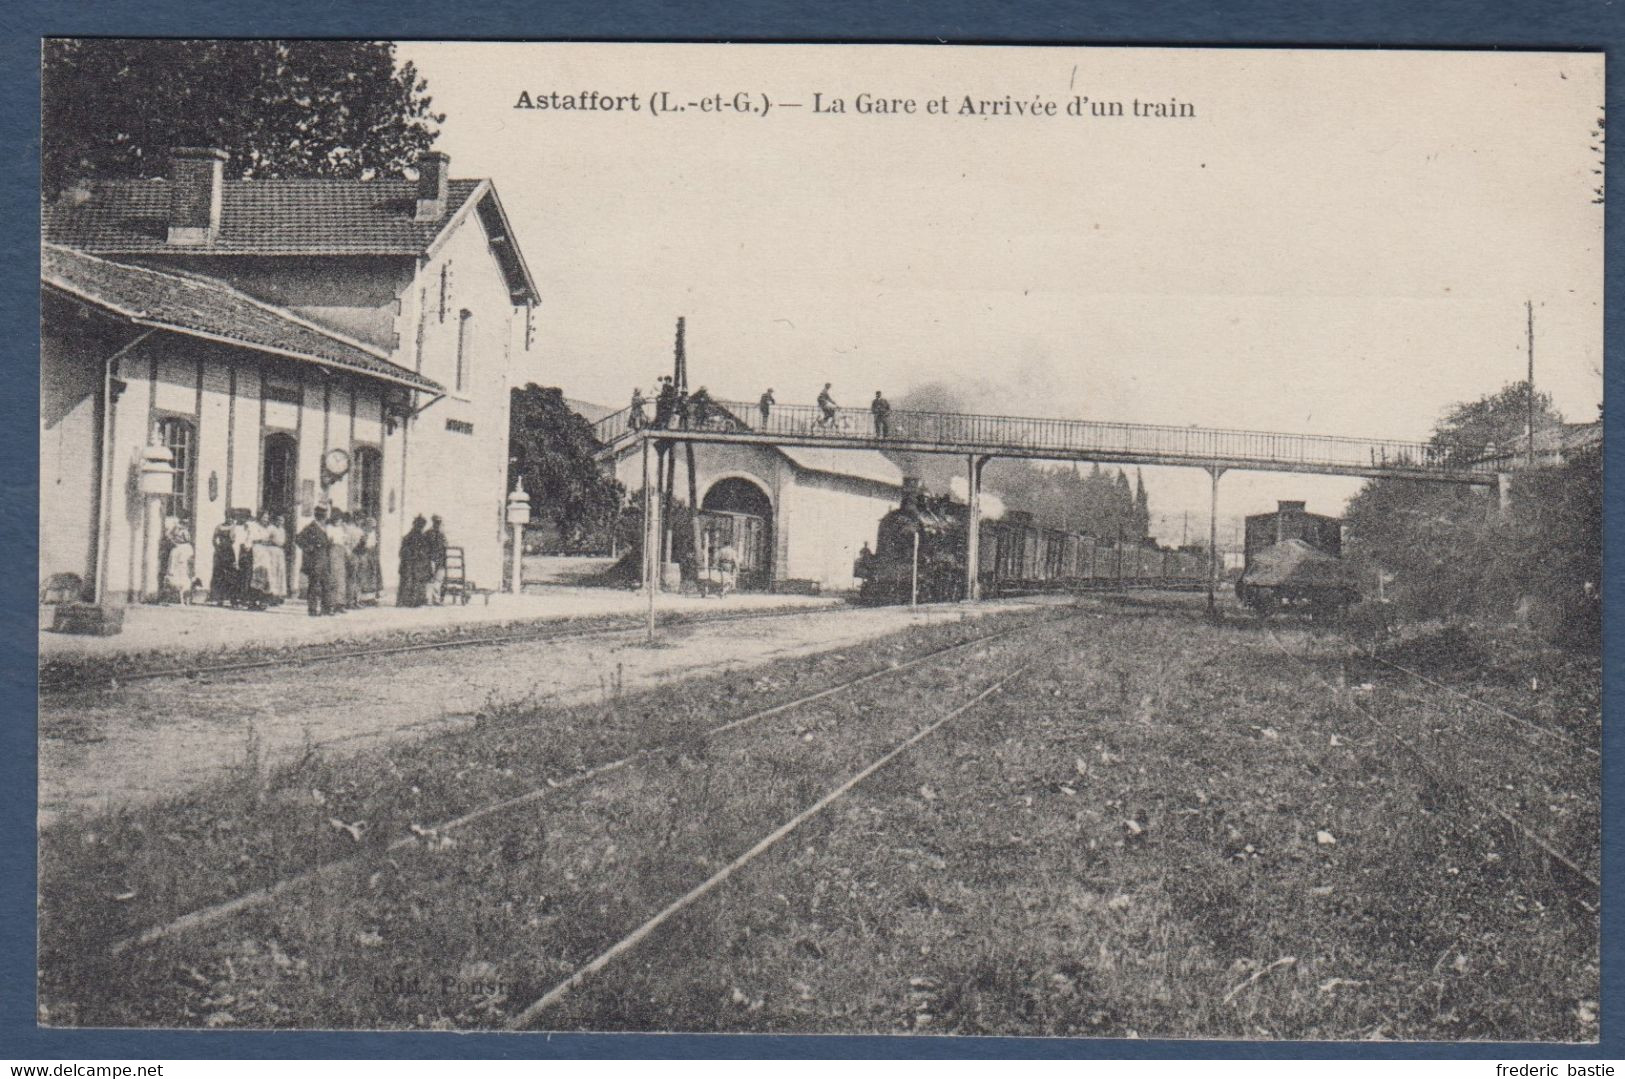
[{"x": 791, "y": 513}]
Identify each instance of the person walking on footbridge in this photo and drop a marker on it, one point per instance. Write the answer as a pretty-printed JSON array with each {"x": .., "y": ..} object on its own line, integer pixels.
[
  {"x": 665, "y": 402},
  {"x": 882, "y": 413}
]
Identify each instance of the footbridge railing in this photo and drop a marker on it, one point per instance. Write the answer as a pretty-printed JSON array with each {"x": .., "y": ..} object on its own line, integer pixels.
[{"x": 1019, "y": 436}]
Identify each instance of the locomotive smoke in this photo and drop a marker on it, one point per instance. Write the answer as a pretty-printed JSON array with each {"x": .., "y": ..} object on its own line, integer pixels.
[{"x": 992, "y": 504}]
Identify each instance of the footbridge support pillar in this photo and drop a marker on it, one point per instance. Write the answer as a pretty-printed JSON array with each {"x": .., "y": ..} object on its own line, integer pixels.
[
  {"x": 973, "y": 525},
  {"x": 1213, "y": 561}
]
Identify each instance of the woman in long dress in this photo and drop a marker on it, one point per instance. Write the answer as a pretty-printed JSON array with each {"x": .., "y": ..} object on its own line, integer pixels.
[
  {"x": 245, "y": 536},
  {"x": 279, "y": 539},
  {"x": 223, "y": 579},
  {"x": 338, "y": 561},
  {"x": 270, "y": 581},
  {"x": 178, "y": 567},
  {"x": 414, "y": 565},
  {"x": 372, "y": 578},
  {"x": 352, "y": 560}
]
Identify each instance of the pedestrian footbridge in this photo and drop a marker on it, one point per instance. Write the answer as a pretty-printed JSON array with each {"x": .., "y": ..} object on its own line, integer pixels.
[{"x": 1215, "y": 449}]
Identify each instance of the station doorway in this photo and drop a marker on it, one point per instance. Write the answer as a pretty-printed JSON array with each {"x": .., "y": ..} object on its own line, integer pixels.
[
  {"x": 279, "y": 485},
  {"x": 279, "y": 492},
  {"x": 735, "y": 512}
]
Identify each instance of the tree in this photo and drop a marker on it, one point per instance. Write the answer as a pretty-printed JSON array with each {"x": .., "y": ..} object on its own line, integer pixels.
[
  {"x": 115, "y": 107},
  {"x": 1452, "y": 554},
  {"x": 1498, "y": 423},
  {"x": 551, "y": 448},
  {"x": 1142, "y": 506}
]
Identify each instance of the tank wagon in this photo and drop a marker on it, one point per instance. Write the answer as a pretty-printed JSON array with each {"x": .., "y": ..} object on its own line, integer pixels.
[
  {"x": 1294, "y": 564},
  {"x": 1016, "y": 556}
]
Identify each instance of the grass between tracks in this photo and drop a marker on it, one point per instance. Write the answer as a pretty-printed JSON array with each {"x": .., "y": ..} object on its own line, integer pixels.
[
  {"x": 106, "y": 877},
  {"x": 1164, "y": 829}
]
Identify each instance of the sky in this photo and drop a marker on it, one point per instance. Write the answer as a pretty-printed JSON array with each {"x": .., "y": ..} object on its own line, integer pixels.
[{"x": 1336, "y": 242}]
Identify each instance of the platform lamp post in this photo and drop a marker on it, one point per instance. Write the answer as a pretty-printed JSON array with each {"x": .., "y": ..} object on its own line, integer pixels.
[
  {"x": 518, "y": 517},
  {"x": 157, "y": 482}
]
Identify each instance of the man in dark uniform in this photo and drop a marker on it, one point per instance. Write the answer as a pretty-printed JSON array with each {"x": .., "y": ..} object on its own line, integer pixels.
[
  {"x": 665, "y": 402},
  {"x": 766, "y": 405},
  {"x": 313, "y": 544},
  {"x": 865, "y": 564},
  {"x": 699, "y": 407},
  {"x": 882, "y": 412},
  {"x": 435, "y": 540}
]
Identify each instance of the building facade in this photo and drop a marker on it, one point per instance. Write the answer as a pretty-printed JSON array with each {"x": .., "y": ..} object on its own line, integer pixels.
[
  {"x": 254, "y": 327},
  {"x": 792, "y": 514}
]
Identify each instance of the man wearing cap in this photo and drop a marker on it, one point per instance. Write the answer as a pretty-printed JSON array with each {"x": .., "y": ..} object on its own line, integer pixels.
[{"x": 313, "y": 544}]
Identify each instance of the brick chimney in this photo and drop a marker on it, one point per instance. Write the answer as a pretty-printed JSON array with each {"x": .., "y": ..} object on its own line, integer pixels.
[
  {"x": 195, "y": 177},
  {"x": 433, "y": 169}
]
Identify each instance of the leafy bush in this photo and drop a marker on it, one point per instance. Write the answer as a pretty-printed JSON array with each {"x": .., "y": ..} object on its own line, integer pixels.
[{"x": 1449, "y": 552}]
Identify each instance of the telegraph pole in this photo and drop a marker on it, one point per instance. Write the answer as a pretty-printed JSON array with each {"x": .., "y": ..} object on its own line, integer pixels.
[{"x": 1213, "y": 544}]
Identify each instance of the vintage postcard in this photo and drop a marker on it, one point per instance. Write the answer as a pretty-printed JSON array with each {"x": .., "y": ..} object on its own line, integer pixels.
[{"x": 1067, "y": 542}]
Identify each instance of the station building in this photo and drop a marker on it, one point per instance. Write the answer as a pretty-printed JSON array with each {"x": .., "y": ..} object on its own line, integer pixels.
[
  {"x": 792, "y": 514},
  {"x": 291, "y": 343}
]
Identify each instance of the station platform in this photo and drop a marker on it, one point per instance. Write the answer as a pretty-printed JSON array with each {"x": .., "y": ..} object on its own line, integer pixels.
[{"x": 172, "y": 630}]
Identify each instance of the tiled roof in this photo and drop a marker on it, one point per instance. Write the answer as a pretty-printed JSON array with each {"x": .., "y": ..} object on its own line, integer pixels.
[
  {"x": 205, "y": 308},
  {"x": 1580, "y": 436},
  {"x": 869, "y": 465},
  {"x": 257, "y": 217}
]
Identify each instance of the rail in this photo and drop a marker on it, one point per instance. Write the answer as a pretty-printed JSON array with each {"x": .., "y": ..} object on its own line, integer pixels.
[{"x": 733, "y": 421}]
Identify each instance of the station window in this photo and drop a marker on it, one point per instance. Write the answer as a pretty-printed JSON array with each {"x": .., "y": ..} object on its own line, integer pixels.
[
  {"x": 181, "y": 438},
  {"x": 367, "y": 492}
]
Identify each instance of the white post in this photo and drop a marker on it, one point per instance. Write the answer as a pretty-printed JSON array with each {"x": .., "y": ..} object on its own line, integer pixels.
[
  {"x": 157, "y": 482},
  {"x": 151, "y": 571},
  {"x": 518, "y": 517},
  {"x": 973, "y": 527},
  {"x": 914, "y": 579}
]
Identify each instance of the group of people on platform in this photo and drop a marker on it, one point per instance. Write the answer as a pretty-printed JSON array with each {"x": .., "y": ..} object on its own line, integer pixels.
[
  {"x": 423, "y": 564},
  {"x": 339, "y": 557},
  {"x": 250, "y": 562},
  {"x": 678, "y": 409},
  {"x": 254, "y": 564}
]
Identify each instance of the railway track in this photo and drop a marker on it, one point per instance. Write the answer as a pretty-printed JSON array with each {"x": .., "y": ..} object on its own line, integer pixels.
[
  {"x": 1539, "y": 729},
  {"x": 69, "y": 683},
  {"x": 1442, "y": 776},
  {"x": 216, "y": 913},
  {"x": 528, "y": 1015}
]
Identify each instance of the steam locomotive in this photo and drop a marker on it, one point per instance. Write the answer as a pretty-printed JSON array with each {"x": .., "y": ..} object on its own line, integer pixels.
[
  {"x": 920, "y": 549},
  {"x": 1294, "y": 564}
]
